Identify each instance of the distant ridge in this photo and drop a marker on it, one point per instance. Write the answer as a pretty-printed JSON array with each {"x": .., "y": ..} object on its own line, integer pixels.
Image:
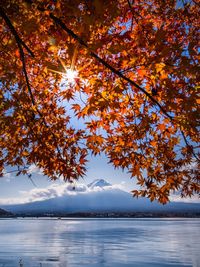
[{"x": 4, "y": 213}]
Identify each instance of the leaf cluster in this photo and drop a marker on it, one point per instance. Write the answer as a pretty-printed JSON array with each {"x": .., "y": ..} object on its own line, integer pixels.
[{"x": 136, "y": 95}]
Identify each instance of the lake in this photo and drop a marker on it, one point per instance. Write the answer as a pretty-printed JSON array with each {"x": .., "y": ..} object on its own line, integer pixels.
[{"x": 99, "y": 242}]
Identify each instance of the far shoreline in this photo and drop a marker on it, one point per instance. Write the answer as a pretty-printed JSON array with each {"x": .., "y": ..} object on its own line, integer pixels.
[{"x": 103, "y": 215}]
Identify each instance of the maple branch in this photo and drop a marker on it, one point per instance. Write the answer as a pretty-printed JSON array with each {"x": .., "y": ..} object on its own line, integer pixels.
[
  {"x": 107, "y": 65},
  {"x": 188, "y": 145},
  {"x": 196, "y": 3},
  {"x": 20, "y": 45},
  {"x": 129, "y": 3},
  {"x": 118, "y": 73},
  {"x": 33, "y": 100},
  {"x": 14, "y": 32},
  {"x": 130, "y": 7},
  {"x": 25, "y": 74}
]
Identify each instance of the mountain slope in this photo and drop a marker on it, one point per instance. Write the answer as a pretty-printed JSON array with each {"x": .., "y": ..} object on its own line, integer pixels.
[
  {"x": 99, "y": 196},
  {"x": 4, "y": 213}
]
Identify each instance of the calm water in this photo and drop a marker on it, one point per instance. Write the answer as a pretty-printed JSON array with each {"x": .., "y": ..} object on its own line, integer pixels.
[{"x": 99, "y": 242}]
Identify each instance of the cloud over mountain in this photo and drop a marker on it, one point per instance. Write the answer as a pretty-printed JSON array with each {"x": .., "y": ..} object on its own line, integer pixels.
[
  {"x": 66, "y": 189},
  {"x": 98, "y": 196}
]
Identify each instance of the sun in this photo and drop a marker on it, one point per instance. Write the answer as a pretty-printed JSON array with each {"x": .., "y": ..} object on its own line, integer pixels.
[
  {"x": 69, "y": 78},
  {"x": 70, "y": 75}
]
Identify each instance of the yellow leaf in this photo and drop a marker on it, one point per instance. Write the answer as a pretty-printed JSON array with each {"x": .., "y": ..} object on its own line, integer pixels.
[
  {"x": 159, "y": 67},
  {"x": 104, "y": 94}
]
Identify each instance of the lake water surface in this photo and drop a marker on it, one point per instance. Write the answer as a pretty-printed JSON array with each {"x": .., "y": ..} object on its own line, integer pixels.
[{"x": 99, "y": 242}]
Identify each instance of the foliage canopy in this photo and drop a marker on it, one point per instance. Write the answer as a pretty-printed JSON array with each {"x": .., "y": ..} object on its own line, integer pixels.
[{"x": 135, "y": 90}]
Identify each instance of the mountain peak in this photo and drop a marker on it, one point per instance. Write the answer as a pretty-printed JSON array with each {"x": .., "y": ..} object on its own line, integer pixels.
[{"x": 99, "y": 183}]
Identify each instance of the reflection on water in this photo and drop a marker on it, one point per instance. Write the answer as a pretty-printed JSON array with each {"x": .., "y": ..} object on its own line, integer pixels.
[{"x": 99, "y": 242}]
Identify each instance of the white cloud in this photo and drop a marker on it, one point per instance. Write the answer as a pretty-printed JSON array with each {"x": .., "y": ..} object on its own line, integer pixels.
[
  {"x": 192, "y": 199},
  {"x": 9, "y": 201},
  {"x": 55, "y": 190},
  {"x": 67, "y": 189}
]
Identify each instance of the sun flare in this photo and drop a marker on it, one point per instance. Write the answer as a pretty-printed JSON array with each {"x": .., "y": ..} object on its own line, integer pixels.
[{"x": 70, "y": 75}]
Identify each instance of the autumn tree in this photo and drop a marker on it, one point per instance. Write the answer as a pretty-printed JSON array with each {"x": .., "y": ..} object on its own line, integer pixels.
[{"x": 127, "y": 70}]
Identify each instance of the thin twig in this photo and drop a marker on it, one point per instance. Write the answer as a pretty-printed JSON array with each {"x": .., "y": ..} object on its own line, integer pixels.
[
  {"x": 130, "y": 7},
  {"x": 188, "y": 145}
]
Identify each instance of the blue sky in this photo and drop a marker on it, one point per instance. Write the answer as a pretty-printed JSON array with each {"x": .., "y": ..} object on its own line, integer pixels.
[
  {"x": 19, "y": 189},
  {"x": 97, "y": 168}
]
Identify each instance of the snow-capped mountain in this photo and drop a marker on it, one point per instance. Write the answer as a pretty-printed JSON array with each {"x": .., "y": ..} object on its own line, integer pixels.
[
  {"x": 98, "y": 196},
  {"x": 99, "y": 183}
]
